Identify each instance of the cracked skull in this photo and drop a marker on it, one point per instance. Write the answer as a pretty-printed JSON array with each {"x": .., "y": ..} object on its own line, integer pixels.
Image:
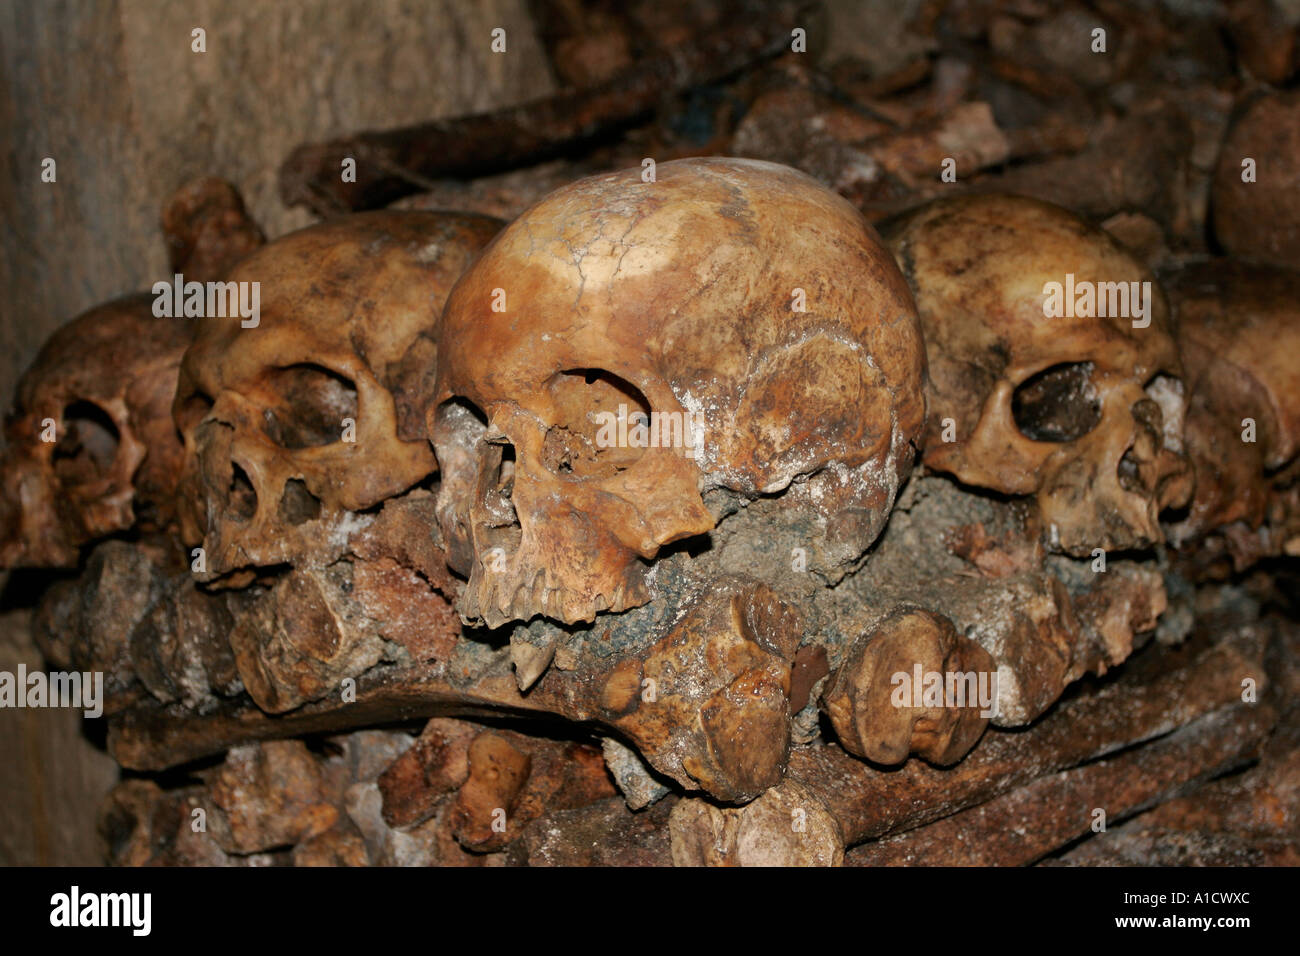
[
  {"x": 91, "y": 446},
  {"x": 627, "y": 350},
  {"x": 291, "y": 427},
  {"x": 1078, "y": 401}
]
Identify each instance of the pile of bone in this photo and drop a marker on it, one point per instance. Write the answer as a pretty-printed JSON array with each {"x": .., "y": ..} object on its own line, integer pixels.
[{"x": 683, "y": 520}]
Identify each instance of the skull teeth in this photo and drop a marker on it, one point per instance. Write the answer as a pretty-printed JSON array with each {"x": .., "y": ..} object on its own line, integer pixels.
[{"x": 498, "y": 605}]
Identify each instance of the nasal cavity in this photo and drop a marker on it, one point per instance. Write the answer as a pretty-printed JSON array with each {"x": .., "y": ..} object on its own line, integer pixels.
[
  {"x": 504, "y": 484},
  {"x": 1129, "y": 473},
  {"x": 497, "y": 484},
  {"x": 241, "y": 498},
  {"x": 298, "y": 505},
  {"x": 1146, "y": 441}
]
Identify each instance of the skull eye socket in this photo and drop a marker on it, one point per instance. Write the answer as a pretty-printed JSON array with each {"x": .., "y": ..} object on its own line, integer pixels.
[
  {"x": 602, "y": 425},
  {"x": 241, "y": 497},
  {"x": 1167, "y": 392},
  {"x": 306, "y": 405},
  {"x": 193, "y": 410},
  {"x": 1058, "y": 404},
  {"x": 297, "y": 504},
  {"x": 460, "y": 424},
  {"x": 89, "y": 444}
]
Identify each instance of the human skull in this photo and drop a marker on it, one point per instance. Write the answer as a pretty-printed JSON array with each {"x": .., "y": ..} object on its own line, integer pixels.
[
  {"x": 1239, "y": 332},
  {"x": 1084, "y": 412},
  {"x": 291, "y": 427},
  {"x": 745, "y": 317},
  {"x": 101, "y": 389}
]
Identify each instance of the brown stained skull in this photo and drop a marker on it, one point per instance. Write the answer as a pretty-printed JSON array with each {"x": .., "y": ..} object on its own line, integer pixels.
[
  {"x": 1239, "y": 331},
  {"x": 291, "y": 427},
  {"x": 1084, "y": 412},
  {"x": 102, "y": 388},
  {"x": 742, "y": 314}
]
